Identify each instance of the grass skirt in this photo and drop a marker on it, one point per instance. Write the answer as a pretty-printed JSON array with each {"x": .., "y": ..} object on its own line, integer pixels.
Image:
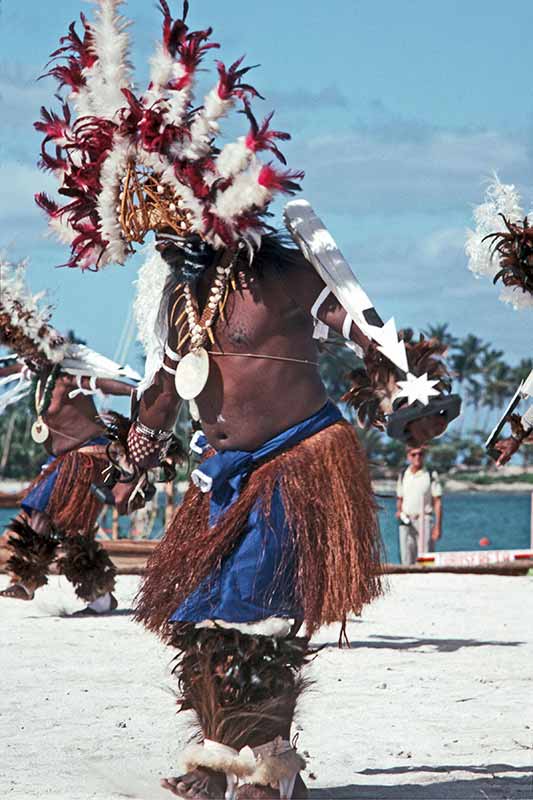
[{"x": 330, "y": 510}]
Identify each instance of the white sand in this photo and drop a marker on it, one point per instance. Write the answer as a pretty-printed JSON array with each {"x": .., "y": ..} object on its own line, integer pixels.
[{"x": 434, "y": 700}]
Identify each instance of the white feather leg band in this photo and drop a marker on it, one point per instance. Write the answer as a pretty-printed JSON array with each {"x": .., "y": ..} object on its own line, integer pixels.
[
  {"x": 500, "y": 198},
  {"x": 275, "y": 763}
]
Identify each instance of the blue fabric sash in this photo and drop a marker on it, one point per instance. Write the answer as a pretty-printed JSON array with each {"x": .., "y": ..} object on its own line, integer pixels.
[
  {"x": 39, "y": 497},
  {"x": 256, "y": 579}
]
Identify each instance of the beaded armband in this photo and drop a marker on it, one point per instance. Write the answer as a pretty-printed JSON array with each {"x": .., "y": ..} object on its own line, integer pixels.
[{"x": 147, "y": 446}]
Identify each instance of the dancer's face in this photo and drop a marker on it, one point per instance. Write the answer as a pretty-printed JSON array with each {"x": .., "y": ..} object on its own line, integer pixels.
[{"x": 187, "y": 258}]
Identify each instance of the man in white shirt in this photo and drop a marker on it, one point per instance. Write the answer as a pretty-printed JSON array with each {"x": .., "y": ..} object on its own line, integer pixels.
[{"x": 419, "y": 495}]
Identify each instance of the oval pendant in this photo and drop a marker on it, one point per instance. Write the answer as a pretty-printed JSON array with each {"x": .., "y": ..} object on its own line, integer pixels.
[
  {"x": 39, "y": 431},
  {"x": 192, "y": 373}
]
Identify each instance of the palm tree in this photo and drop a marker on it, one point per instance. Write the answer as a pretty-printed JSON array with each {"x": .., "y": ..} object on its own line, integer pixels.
[
  {"x": 465, "y": 360},
  {"x": 440, "y": 331}
]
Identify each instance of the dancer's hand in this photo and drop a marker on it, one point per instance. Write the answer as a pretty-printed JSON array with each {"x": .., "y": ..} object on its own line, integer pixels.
[
  {"x": 507, "y": 448},
  {"x": 122, "y": 492},
  {"x": 423, "y": 430}
]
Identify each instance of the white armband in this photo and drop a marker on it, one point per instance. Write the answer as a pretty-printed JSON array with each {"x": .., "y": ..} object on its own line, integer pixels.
[
  {"x": 321, "y": 330},
  {"x": 319, "y": 302},
  {"x": 80, "y": 390},
  {"x": 172, "y": 353},
  {"x": 173, "y": 356},
  {"x": 347, "y": 326},
  {"x": 346, "y": 331}
]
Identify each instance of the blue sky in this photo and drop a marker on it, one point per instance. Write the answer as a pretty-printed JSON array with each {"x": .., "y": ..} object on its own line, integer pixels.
[{"x": 399, "y": 112}]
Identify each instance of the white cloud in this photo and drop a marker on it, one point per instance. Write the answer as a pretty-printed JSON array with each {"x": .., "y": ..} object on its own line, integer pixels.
[{"x": 420, "y": 169}]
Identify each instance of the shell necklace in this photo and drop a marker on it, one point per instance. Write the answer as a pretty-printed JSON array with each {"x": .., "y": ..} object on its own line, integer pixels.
[
  {"x": 192, "y": 372},
  {"x": 40, "y": 430}
]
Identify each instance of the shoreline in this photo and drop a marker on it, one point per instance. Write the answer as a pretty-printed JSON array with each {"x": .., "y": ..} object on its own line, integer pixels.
[{"x": 382, "y": 486}]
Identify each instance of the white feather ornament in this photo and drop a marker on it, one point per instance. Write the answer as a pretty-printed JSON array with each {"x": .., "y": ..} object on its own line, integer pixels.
[
  {"x": 235, "y": 157},
  {"x": 244, "y": 193},
  {"x": 500, "y": 199}
]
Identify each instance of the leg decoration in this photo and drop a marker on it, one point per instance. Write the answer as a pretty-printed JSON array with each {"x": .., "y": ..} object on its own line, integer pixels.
[
  {"x": 32, "y": 554},
  {"x": 87, "y": 565},
  {"x": 243, "y": 690}
]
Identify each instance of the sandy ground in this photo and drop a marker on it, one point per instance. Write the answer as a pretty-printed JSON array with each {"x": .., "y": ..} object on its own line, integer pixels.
[{"x": 433, "y": 700}]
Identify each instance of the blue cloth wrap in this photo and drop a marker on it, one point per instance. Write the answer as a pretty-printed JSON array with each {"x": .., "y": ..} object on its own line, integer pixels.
[
  {"x": 39, "y": 497},
  {"x": 256, "y": 580}
]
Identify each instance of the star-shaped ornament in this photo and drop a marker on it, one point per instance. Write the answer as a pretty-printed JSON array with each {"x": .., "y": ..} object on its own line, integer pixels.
[{"x": 418, "y": 388}]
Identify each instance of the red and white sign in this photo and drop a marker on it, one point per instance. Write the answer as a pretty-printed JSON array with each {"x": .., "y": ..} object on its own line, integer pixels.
[{"x": 473, "y": 558}]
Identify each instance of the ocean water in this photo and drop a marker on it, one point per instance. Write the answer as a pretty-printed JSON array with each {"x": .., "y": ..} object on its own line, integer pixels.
[{"x": 503, "y": 518}]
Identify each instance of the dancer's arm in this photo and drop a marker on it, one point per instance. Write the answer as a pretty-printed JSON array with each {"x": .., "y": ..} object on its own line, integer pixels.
[
  {"x": 113, "y": 387},
  {"x": 308, "y": 290},
  {"x": 160, "y": 403},
  {"x": 11, "y": 369},
  {"x": 108, "y": 386}
]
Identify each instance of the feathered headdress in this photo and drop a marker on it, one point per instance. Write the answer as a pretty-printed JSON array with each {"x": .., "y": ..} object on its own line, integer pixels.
[
  {"x": 501, "y": 246},
  {"x": 375, "y": 388},
  {"x": 128, "y": 163},
  {"x": 25, "y": 321}
]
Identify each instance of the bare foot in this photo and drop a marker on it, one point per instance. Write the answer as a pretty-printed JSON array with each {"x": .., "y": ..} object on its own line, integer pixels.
[
  {"x": 17, "y": 591},
  {"x": 199, "y": 784}
]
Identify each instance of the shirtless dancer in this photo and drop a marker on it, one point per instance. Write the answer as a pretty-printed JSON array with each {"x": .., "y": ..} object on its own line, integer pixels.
[
  {"x": 278, "y": 527},
  {"x": 59, "y": 508}
]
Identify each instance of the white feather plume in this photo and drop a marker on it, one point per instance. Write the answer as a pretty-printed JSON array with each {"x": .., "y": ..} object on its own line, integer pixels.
[
  {"x": 174, "y": 102},
  {"x": 112, "y": 71},
  {"x": 235, "y": 157},
  {"x": 113, "y": 170},
  {"x": 152, "y": 328},
  {"x": 245, "y": 192},
  {"x": 62, "y": 230},
  {"x": 500, "y": 198},
  {"x": 205, "y": 126}
]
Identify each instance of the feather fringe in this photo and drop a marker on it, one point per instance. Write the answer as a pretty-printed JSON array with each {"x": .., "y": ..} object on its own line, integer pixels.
[
  {"x": 88, "y": 567},
  {"x": 31, "y": 553}
]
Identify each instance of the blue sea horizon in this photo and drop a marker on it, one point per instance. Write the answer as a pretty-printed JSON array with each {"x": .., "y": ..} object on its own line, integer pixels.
[{"x": 503, "y": 518}]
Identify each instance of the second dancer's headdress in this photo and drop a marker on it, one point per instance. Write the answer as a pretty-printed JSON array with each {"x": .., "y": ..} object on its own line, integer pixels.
[{"x": 501, "y": 245}]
